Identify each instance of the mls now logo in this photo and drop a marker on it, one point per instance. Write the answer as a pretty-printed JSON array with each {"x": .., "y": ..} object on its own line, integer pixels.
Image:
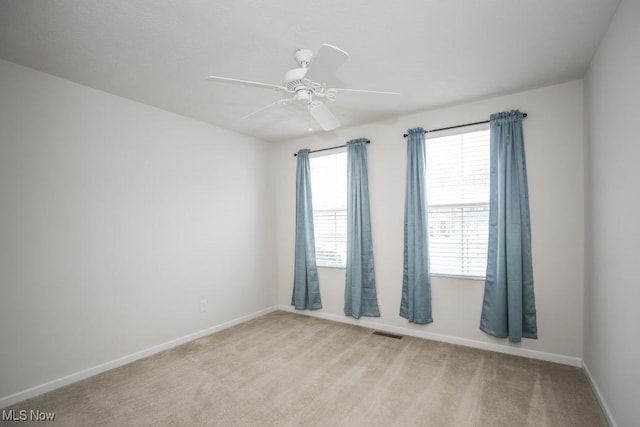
[{"x": 24, "y": 415}]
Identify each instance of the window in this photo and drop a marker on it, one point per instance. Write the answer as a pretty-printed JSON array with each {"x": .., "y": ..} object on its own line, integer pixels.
[
  {"x": 458, "y": 202},
  {"x": 329, "y": 192}
]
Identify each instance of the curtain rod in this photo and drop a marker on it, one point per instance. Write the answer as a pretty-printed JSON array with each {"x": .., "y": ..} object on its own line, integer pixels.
[
  {"x": 330, "y": 148},
  {"x": 460, "y": 126}
]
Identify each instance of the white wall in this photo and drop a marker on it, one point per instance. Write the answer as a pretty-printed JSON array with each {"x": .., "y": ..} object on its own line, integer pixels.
[
  {"x": 555, "y": 156},
  {"x": 116, "y": 219},
  {"x": 612, "y": 318}
]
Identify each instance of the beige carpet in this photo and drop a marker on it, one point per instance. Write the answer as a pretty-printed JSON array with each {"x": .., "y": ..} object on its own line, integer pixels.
[{"x": 285, "y": 369}]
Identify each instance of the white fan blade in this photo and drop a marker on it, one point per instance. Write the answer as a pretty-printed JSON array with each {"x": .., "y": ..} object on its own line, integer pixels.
[
  {"x": 278, "y": 102},
  {"x": 323, "y": 116},
  {"x": 257, "y": 111},
  {"x": 363, "y": 91},
  {"x": 246, "y": 83},
  {"x": 325, "y": 63}
]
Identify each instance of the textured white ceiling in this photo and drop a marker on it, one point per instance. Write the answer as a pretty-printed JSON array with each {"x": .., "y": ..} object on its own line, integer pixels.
[{"x": 434, "y": 52}]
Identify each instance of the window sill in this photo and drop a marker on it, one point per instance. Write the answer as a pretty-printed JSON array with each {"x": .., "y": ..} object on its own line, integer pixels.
[
  {"x": 335, "y": 267},
  {"x": 454, "y": 276}
]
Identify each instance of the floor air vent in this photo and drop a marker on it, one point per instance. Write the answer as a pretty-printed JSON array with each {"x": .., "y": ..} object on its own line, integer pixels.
[{"x": 388, "y": 335}]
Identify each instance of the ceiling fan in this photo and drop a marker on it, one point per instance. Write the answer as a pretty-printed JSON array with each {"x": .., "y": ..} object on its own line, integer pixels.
[{"x": 306, "y": 84}]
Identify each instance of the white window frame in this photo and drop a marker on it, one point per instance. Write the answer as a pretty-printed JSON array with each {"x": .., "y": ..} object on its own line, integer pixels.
[
  {"x": 331, "y": 252},
  {"x": 462, "y": 206}
]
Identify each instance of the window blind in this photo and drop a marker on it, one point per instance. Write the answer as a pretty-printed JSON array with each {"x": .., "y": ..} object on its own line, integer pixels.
[
  {"x": 329, "y": 193},
  {"x": 458, "y": 202}
]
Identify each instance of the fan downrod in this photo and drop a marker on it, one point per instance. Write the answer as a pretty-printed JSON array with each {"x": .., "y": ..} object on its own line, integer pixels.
[{"x": 303, "y": 57}]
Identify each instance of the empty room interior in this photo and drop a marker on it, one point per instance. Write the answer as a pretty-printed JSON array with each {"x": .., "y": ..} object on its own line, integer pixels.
[{"x": 319, "y": 213}]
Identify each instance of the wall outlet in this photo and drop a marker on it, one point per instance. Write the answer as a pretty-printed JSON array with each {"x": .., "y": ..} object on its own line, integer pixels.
[{"x": 203, "y": 305}]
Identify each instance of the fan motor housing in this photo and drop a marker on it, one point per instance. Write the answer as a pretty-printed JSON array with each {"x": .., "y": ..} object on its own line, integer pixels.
[{"x": 294, "y": 79}]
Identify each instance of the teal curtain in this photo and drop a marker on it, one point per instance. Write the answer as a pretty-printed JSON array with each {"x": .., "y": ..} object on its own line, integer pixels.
[
  {"x": 416, "y": 281},
  {"x": 509, "y": 309},
  {"x": 360, "y": 297},
  {"x": 306, "y": 289}
]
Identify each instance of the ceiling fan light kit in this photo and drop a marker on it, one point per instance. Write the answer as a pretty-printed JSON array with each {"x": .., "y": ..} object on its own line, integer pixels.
[{"x": 303, "y": 84}]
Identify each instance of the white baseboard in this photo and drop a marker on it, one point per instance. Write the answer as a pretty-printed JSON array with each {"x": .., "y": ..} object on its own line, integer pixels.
[
  {"x": 89, "y": 372},
  {"x": 532, "y": 354},
  {"x": 599, "y": 397}
]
